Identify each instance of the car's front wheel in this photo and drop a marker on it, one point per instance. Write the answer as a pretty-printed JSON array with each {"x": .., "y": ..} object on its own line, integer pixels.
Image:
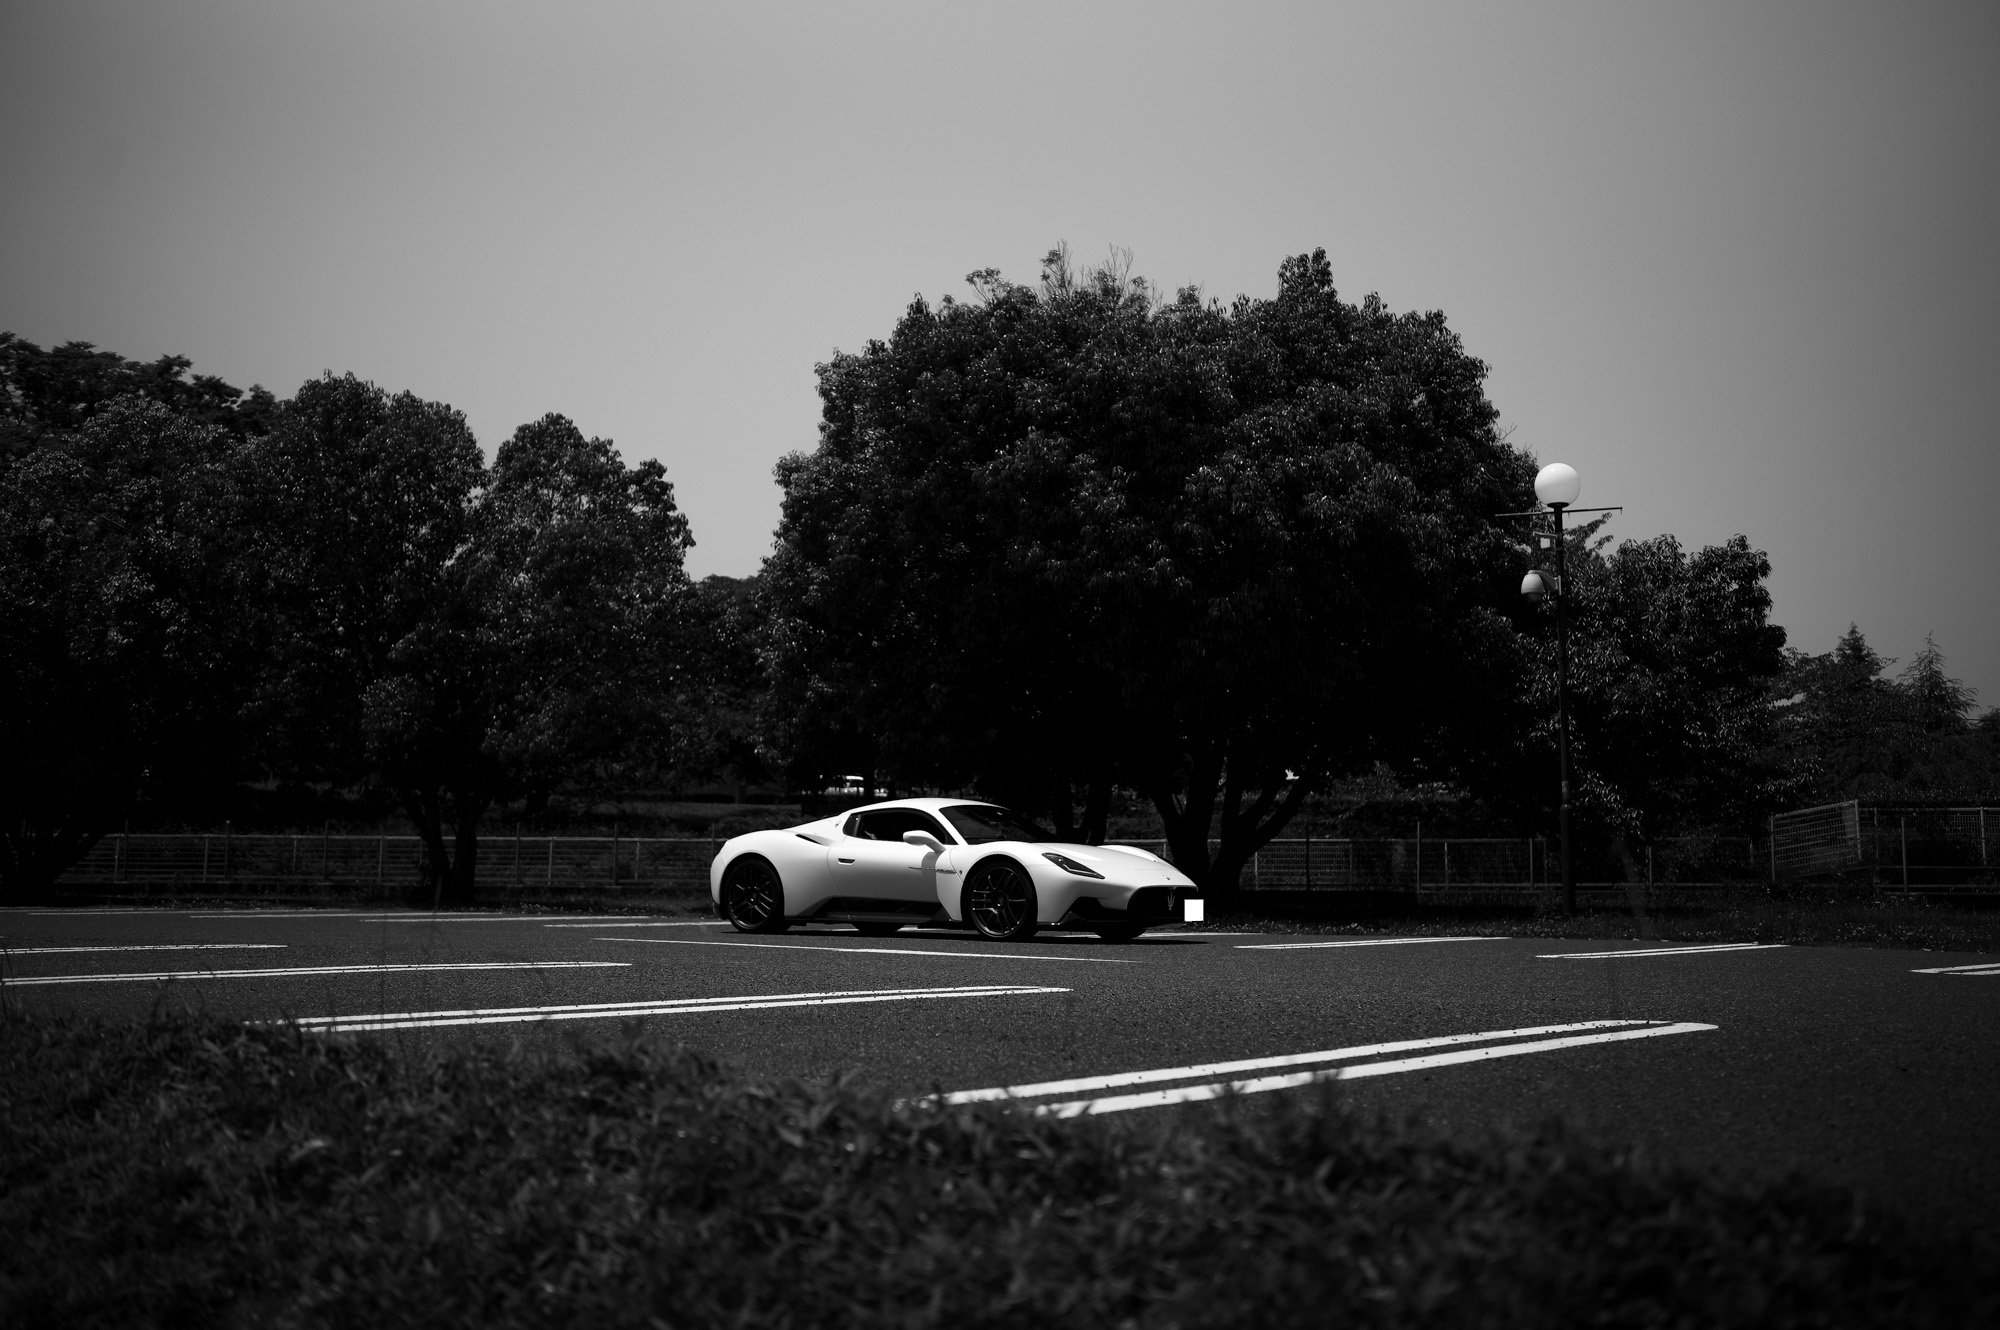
[
  {"x": 753, "y": 899},
  {"x": 1001, "y": 902}
]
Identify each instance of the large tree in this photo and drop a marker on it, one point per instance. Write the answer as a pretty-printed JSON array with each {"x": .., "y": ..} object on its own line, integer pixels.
[
  {"x": 549, "y": 646},
  {"x": 1673, "y": 657},
  {"x": 125, "y": 650},
  {"x": 458, "y": 636},
  {"x": 1058, "y": 538}
]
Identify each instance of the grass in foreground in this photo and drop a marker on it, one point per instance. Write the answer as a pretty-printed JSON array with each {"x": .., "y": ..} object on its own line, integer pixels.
[{"x": 190, "y": 1172}]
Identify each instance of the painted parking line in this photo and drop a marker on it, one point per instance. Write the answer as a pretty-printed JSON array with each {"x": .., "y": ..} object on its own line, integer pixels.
[
  {"x": 867, "y": 951},
  {"x": 472, "y": 918},
  {"x": 1661, "y": 951},
  {"x": 151, "y": 946},
  {"x": 1990, "y": 969},
  {"x": 409, "y": 1020},
  {"x": 1574, "y": 1035},
  {"x": 1357, "y": 942},
  {"x": 649, "y": 923},
  {"x": 1118, "y": 1080},
  {"x": 305, "y": 970}
]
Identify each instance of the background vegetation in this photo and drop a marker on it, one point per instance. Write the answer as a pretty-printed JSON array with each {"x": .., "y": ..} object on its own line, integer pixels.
[
  {"x": 184, "y": 1172},
  {"x": 1136, "y": 564}
]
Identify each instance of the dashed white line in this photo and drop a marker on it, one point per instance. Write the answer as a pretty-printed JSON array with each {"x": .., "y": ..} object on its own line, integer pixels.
[
  {"x": 668, "y": 1007},
  {"x": 867, "y": 951},
  {"x": 1116, "y": 1079},
  {"x": 1574, "y": 1035},
  {"x": 1264, "y": 1084},
  {"x": 660, "y": 923},
  {"x": 1357, "y": 942},
  {"x": 1661, "y": 951},
  {"x": 1989, "y": 969},
  {"x": 151, "y": 946},
  {"x": 297, "y": 971}
]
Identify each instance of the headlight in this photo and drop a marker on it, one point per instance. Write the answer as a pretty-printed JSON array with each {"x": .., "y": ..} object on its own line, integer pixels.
[{"x": 1069, "y": 865}]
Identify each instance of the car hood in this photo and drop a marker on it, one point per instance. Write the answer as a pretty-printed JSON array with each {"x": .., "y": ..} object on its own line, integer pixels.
[{"x": 1117, "y": 862}]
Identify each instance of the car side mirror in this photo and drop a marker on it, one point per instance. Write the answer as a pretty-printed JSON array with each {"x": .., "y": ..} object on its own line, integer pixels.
[{"x": 924, "y": 840}]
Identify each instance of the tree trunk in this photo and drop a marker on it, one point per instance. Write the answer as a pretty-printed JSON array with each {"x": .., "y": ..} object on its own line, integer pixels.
[
  {"x": 1244, "y": 831},
  {"x": 468, "y": 809},
  {"x": 426, "y": 813}
]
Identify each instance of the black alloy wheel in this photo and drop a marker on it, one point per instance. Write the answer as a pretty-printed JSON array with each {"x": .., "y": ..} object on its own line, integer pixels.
[
  {"x": 1119, "y": 932},
  {"x": 1001, "y": 902},
  {"x": 753, "y": 899},
  {"x": 877, "y": 930}
]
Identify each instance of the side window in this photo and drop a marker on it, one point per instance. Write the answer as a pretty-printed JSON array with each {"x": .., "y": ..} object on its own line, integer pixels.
[
  {"x": 890, "y": 824},
  {"x": 853, "y": 827}
]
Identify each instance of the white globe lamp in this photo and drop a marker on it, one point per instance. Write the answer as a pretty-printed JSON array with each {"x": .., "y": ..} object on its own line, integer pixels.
[
  {"x": 1558, "y": 485},
  {"x": 1533, "y": 586}
]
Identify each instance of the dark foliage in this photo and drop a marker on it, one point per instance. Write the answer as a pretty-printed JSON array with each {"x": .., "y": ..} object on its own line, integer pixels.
[
  {"x": 185, "y": 1173},
  {"x": 1061, "y": 538}
]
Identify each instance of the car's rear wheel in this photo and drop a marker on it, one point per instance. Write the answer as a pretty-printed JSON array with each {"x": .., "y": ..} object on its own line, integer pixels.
[
  {"x": 877, "y": 930},
  {"x": 1001, "y": 902},
  {"x": 1119, "y": 932},
  {"x": 753, "y": 899}
]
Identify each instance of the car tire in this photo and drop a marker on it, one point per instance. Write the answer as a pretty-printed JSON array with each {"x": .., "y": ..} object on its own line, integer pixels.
[
  {"x": 1000, "y": 901},
  {"x": 1119, "y": 932},
  {"x": 878, "y": 930},
  {"x": 753, "y": 896}
]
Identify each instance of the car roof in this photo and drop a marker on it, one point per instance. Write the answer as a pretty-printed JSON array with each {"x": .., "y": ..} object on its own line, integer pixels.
[{"x": 928, "y": 803}]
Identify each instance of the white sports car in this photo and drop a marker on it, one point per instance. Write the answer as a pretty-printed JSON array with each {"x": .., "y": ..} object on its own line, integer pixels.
[{"x": 942, "y": 862}]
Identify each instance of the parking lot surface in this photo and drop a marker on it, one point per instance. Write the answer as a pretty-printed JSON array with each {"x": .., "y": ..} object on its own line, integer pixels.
[{"x": 1870, "y": 1068}]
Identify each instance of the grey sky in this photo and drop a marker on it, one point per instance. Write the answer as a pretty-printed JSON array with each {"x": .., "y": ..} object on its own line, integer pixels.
[{"x": 1737, "y": 264}]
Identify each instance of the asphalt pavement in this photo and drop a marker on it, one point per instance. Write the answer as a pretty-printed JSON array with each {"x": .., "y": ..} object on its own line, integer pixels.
[{"x": 1869, "y": 1068}]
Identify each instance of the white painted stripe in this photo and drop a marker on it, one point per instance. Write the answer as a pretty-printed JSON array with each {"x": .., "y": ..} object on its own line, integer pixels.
[
  {"x": 158, "y": 946},
  {"x": 1358, "y": 942},
  {"x": 1194, "y": 1093},
  {"x": 1990, "y": 967},
  {"x": 670, "y": 1007},
  {"x": 473, "y": 918},
  {"x": 297, "y": 913},
  {"x": 297, "y": 971},
  {"x": 664, "y": 923},
  {"x": 869, "y": 951},
  {"x": 1114, "y": 1080},
  {"x": 93, "y": 910},
  {"x": 1661, "y": 951}
]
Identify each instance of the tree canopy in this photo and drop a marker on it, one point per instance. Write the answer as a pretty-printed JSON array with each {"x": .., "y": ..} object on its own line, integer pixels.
[{"x": 1057, "y": 538}]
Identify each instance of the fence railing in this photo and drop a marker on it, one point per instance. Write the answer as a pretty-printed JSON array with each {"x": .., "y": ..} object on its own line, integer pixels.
[
  {"x": 389, "y": 863},
  {"x": 1464, "y": 863},
  {"x": 1925, "y": 849}
]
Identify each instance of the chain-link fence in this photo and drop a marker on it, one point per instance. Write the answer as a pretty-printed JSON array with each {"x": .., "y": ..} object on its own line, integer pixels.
[
  {"x": 1918, "y": 848},
  {"x": 387, "y": 864}
]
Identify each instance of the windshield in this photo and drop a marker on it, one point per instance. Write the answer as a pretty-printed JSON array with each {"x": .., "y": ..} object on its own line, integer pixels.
[{"x": 982, "y": 824}]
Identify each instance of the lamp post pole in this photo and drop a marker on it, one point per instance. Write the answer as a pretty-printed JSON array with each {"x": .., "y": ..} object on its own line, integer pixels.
[
  {"x": 1562, "y": 710},
  {"x": 1557, "y": 486}
]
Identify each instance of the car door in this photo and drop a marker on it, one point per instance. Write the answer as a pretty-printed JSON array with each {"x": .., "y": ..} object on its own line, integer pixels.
[{"x": 872, "y": 860}]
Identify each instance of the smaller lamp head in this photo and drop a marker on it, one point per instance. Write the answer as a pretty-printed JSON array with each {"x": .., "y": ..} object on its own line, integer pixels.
[
  {"x": 1533, "y": 586},
  {"x": 1558, "y": 485}
]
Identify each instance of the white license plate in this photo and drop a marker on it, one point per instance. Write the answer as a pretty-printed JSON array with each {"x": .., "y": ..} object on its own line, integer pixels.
[{"x": 1191, "y": 912}]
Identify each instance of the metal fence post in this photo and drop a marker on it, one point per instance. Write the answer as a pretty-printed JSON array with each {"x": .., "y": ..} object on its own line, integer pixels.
[
  {"x": 1903, "y": 833},
  {"x": 1420, "y": 854},
  {"x": 227, "y": 838},
  {"x": 549, "y": 875},
  {"x": 381, "y": 857}
]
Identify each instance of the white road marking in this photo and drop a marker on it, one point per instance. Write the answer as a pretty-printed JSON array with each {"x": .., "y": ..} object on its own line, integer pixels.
[
  {"x": 1194, "y": 1093},
  {"x": 1969, "y": 971},
  {"x": 1358, "y": 942},
  {"x": 664, "y": 923},
  {"x": 1661, "y": 951},
  {"x": 1117, "y": 1079},
  {"x": 313, "y": 969},
  {"x": 406, "y": 1020},
  {"x": 92, "y": 910},
  {"x": 472, "y": 918},
  {"x": 159, "y": 946},
  {"x": 293, "y": 913},
  {"x": 868, "y": 951}
]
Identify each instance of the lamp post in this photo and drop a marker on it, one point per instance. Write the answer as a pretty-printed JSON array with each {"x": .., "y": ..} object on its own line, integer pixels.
[{"x": 1558, "y": 487}]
